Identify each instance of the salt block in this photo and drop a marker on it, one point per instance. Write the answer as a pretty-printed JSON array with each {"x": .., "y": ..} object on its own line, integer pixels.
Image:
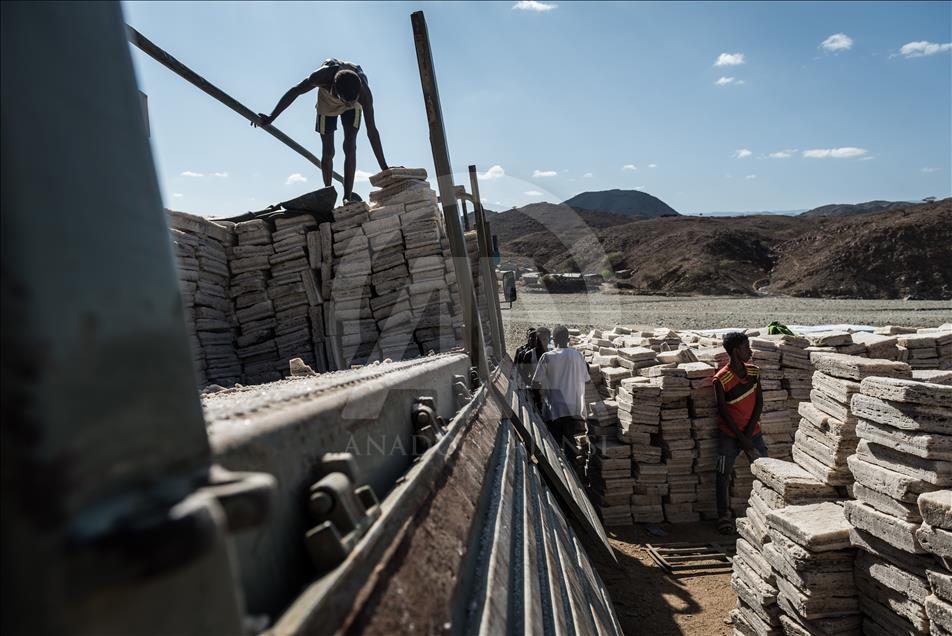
[
  {"x": 795, "y": 625},
  {"x": 905, "y": 608},
  {"x": 825, "y": 473},
  {"x": 830, "y": 338},
  {"x": 755, "y": 560},
  {"x": 879, "y": 620},
  {"x": 746, "y": 622},
  {"x": 905, "y": 390},
  {"x": 790, "y": 481},
  {"x": 902, "y": 415},
  {"x": 935, "y": 540},
  {"x": 889, "y": 482},
  {"x": 857, "y": 368},
  {"x": 941, "y": 584},
  {"x": 837, "y": 388},
  {"x": 892, "y": 577},
  {"x": 939, "y": 613},
  {"x": 819, "y": 527},
  {"x": 925, "y": 445},
  {"x": 913, "y": 563},
  {"x": 935, "y": 376},
  {"x": 770, "y": 498},
  {"x": 764, "y": 592},
  {"x": 815, "y": 606},
  {"x": 812, "y": 579},
  {"x": 936, "y": 508},
  {"x": 824, "y": 422},
  {"x": 901, "y": 534},
  {"x": 886, "y": 504},
  {"x": 806, "y": 561},
  {"x": 830, "y": 406},
  {"x": 935, "y": 472},
  {"x": 747, "y": 533}
]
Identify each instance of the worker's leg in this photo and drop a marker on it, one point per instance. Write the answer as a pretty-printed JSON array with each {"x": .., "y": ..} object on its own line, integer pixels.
[
  {"x": 350, "y": 157},
  {"x": 325, "y": 127},
  {"x": 327, "y": 157},
  {"x": 728, "y": 450}
]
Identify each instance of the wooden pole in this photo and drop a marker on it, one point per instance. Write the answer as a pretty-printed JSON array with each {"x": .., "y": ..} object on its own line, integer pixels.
[
  {"x": 487, "y": 269},
  {"x": 472, "y": 327},
  {"x": 152, "y": 50}
]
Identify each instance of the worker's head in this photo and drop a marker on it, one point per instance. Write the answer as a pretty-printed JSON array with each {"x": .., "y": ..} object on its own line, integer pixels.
[
  {"x": 542, "y": 337},
  {"x": 560, "y": 335},
  {"x": 737, "y": 346},
  {"x": 346, "y": 86},
  {"x": 531, "y": 336}
]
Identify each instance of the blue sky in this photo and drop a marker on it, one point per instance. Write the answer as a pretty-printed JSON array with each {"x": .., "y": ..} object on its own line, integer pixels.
[{"x": 708, "y": 106}]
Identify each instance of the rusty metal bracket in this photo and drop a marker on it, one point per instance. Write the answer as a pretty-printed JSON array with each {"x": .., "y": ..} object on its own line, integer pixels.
[{"x": 344, "y": 509}]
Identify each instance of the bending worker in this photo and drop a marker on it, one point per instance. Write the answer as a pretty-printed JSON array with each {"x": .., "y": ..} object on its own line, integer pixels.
[{"x": 342, "y": 92}]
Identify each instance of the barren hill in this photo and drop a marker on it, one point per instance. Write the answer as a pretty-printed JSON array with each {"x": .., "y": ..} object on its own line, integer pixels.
[
  {"x": 625, "y": 202},
  {"x": 850, "y": 209},
  {"x": 893, "y": 254}
]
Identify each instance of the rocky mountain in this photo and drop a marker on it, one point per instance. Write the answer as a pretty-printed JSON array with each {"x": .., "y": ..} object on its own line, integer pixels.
[
  {"x": 849, "y": 209},
  {"x": 903, "y": 252},
  {"x": 625, "y": 202}
]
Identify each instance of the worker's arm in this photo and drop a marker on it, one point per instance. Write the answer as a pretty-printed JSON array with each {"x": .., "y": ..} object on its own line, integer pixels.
[
  {"x": 742, "y": 439},
  {"x": 313, "y": 80},
  {"x": 367, "y": 104}
]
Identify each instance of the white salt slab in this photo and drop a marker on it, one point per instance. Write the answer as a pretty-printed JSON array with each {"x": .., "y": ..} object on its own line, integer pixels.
[
  {"x": 907, "y": 390},
  {"x": 936, "y": 508},
  {"x": 817, "y": 527},
  {"x": 857, "y": 368},
  {"x": 903, "y": 415}
]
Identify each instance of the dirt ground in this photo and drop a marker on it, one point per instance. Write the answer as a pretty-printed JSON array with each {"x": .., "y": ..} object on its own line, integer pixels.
[
  {"x": 604, "y": 310},
  {"x": 650, "y": 601}
]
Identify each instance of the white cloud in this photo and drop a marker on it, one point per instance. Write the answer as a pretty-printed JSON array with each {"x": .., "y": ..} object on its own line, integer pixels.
[
  {"x": 751, "y": 176},
  {"x": 923, "y": 48},
  {"x": 177, "y": 195},
  {"x": 782, "y": 154},
  {"x": 639, "y": 188},
  {"x": 836, "y": 153},
  {"x": 297, "y": 177},
  {"x": 189, "y": 173},
  {"x": 928, "y": 170},
  {"x": 742, "y": 153},
  {"x": 588, "y": 175},
  {"x": 629, "y": 167},
  {"x": 729, "y": 59},
  {"x": 652, "y": 165},
  {"x": 361, "y": 175},
  {"x": 533, "y": 193},
  {"x": 866, "y": 158},
  {"x": 534, "y": 5},
  {"x": 223, "y": 175},
  {"x": 494, "y": 172},
  {"x": 728, "y": 81},
  {"x": 837, "y": 42},
  {"x": 544, "y": 173}
]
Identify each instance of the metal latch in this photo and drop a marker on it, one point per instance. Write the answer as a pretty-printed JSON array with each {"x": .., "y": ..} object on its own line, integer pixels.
[
  {"x": 428, "y": 427},
  {"x": 343, "y": 508}
]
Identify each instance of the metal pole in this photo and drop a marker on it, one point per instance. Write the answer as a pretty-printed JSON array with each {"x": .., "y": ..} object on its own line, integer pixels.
[
  {"x": 152, "y": 50},
  {"x": 487, "y": 270},
  {"x": 472, "y": 327}
]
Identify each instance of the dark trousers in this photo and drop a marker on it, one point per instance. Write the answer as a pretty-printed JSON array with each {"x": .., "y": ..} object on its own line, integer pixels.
[
  {"x": 728, "y": 450},
  {"x": 570, "y": 434}
]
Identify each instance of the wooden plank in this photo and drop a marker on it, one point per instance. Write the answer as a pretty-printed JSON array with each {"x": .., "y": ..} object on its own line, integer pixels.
[{"x": 532, "y": 602}]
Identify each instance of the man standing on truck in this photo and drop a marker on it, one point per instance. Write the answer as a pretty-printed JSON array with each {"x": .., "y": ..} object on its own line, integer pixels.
[
  {"x": 740, "y": 400},
  {"x": 342, "y": 92}
]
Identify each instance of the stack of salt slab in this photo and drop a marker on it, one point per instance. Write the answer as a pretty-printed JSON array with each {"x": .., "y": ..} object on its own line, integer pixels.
[
  {"x": 834, "y": 342},
  {"x": 928, "y": 348},
  {"x": 776, "y": 420},
  {"x": 349, "y": 318},
  {"x": 677, "y": 442},
  {"x": 777, "y": 484},
  {"x": 294, "y": 292},
  {"x": 827, "y": 433},
  {"x": 250, "y": 270},
  {"x": 610, "y": 479},
  {"x": 797, "y": 370},
  {"x": 702, "y": 407},
  {"x": 885, "y": 347},
  {"x": 905, "y": 450},
  {"x": 812, "y": 560},
  {"x": 935, "y": 536},
  {"x": 201, "y": 250},
  {"x": 639, "y": 417},
  {"x": 431, "y": 286}
]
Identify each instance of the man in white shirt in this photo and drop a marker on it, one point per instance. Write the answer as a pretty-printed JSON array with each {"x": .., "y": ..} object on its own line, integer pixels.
[{"x": 560, "y": 376}]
